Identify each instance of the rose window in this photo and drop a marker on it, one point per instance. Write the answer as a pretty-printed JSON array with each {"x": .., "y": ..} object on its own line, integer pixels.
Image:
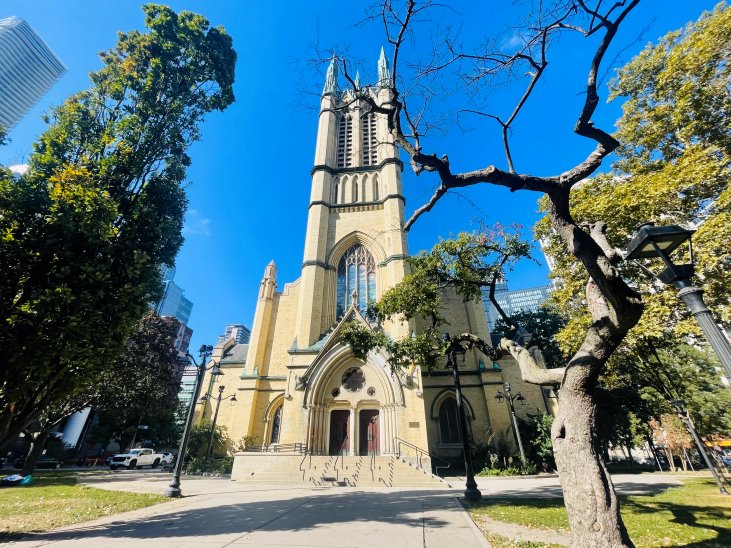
[{"x": 353, "y": 379}]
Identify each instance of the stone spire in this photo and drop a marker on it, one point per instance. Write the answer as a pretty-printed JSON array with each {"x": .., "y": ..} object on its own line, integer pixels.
[
  {"x": 384, "y": 73},
  {"x": 270, "y": 272},
  {"x": 331, "y": 79},
  {"x": 357, "y": 80}
]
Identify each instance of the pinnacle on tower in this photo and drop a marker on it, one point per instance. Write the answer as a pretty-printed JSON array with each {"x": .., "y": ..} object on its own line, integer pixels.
[
  {"x": 331, "y": 78},
  {"x": 384, "y": 73},
  {"x": 357, "y": 80},
  {"x": 270, "y": 272}
]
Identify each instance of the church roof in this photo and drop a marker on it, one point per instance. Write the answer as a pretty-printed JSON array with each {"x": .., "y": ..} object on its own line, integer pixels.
[{"x": 235, "y": 354}]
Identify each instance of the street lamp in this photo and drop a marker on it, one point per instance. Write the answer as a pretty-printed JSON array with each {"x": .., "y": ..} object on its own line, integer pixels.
[
  {"x": 471, "y": 492},
  {"x": 685, "y": 417},
  {"x": 652, "y": 241},
  {"x": 220, "y": 398},
  {"x": 508, "y": 395},
  {"x": 205, "y": 352}
]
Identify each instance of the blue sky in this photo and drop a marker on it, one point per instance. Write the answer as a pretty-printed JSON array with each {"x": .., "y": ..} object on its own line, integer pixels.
[{"x": 249, "y": 182}]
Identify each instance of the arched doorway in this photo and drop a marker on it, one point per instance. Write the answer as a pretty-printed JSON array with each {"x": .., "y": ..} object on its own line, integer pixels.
[{"x": 369, "y": 432}]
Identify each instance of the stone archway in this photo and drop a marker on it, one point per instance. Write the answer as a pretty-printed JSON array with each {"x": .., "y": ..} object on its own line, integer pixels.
[{"x": 340, "y": 383}]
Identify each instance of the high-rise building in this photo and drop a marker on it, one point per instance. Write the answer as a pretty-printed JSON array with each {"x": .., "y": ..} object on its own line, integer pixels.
[
  {"x": 28, "y": 69},
  {"x": 297, "y": 382},
  {"x": 239, "y": 332},
  {"x": 512, "y": 302},
  {"x": 174, "y": 303}
]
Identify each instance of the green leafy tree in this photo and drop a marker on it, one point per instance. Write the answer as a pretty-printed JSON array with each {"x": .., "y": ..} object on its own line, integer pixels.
[
  {"x": 538, "y": 435},
  {"x": 676, "y": 152},
  {"x": 141, "y": 386},
  {"x": 543, "y": 324},
  {"x": 200, "y": 434},
  {"x": 464, "y": 265},
  {"x": 83, "y": 233}
]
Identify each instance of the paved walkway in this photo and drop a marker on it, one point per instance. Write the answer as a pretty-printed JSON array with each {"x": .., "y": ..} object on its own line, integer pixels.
[
  {"x": 229, "y": 515},
  {"x": 217, "y": 512}
]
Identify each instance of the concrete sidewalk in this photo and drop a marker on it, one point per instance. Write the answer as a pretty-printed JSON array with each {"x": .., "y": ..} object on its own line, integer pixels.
[{"x": 227, "y": 515}]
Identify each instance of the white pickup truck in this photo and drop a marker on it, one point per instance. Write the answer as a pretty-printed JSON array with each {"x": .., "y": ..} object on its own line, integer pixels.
[{"x": 136, "y": 458}]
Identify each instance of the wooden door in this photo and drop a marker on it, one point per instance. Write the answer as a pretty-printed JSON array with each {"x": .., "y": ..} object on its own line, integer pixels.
[
  {"x": 369, "y": 432},
  {"x": 339, "y": 432}
]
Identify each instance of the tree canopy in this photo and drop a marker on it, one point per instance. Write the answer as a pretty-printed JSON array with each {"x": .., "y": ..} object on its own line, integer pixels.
[
  {"x": 84, "y": 232},
  {"x": 142, "y": 384},
  {"x": 676, "y": 155},
  {"x": 464, "y": 264}
]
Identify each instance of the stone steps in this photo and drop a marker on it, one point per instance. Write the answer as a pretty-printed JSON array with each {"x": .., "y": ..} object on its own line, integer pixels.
[{"x": 329, "y": 471}]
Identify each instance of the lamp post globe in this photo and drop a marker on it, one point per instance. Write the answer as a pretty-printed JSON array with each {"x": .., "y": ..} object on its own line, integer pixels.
[{"x": 652, "y": 241}]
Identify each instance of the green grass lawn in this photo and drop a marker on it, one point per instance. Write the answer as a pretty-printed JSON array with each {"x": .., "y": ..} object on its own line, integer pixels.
[
  {"x": 55, "y": 499},
  {"x": 692, "y": 513}
]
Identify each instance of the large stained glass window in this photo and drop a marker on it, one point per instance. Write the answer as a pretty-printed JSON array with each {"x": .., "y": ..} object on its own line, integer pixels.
[{"x": 356, "y": 276}]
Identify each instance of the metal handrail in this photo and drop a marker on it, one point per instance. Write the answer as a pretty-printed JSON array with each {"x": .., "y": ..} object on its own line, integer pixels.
[
  {"x": 297, "y": 447},
  {"x": 309, "y": 466},
  {"x": 373, "y": 466},
  {"x": 419, "y": 452}
]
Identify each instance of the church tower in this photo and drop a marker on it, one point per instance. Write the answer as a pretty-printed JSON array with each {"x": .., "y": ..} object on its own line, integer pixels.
[
  {"x": 355, "y": 246},
  {"x": 298, "y": 385}
]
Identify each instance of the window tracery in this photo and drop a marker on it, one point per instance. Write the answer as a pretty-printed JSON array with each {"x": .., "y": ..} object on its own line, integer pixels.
[
  {"x": 368, "y": 140},
  {"x": 356, "y": 279},
  {"x": 345, "y": 141}
]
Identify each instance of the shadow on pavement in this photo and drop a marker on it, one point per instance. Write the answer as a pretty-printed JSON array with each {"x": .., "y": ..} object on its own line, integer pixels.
[{"x": 300, "y": 513}]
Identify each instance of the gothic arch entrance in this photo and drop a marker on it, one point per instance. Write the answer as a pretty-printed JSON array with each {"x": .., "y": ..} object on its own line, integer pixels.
[{"x": 352, "y": 405}]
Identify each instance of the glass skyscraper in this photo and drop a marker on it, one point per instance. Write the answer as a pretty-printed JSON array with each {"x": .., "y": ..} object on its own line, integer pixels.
[
  {"x": 28, "y": 69},
  {"x": 512, "y": 302}
]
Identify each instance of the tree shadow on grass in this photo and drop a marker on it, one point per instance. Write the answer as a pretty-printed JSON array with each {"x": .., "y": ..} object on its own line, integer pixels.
[
  {"x": 282, "y": 513},
  {"x": 688, "y": 514}
]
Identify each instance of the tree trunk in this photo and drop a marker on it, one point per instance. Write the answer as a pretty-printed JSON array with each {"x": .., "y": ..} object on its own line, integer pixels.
[
  {"x": 36, "y": 449},
  {"x": 589, "y": 496},
  {"x": 671, "y": 460}
]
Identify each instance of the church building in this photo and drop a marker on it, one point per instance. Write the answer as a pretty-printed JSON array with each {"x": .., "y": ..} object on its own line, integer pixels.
[{"x": 297, "y": 385}]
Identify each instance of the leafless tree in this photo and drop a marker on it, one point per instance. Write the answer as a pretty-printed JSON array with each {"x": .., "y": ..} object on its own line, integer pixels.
[{"x": 615, "y": 307}]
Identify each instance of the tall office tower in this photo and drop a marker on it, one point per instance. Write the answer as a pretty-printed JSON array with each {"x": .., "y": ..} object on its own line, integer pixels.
[
  {"x": 239, "y": 332},
  {"x": 174, "y": 303},
  {"x": 28, "y": 69},
  {"x": 512, "y": 302}
]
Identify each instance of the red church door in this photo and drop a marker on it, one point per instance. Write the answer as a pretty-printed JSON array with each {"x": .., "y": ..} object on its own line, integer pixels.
[
  {"x": 369, "y": 432},
  {"x": 339, "y": 432}
]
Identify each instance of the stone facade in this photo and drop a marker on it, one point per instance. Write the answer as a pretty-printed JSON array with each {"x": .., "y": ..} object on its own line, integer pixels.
[{"x": 296, "y": 382}]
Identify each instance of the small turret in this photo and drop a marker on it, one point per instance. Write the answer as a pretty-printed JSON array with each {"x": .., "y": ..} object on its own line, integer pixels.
[
  {"x": 384, "y": 72},
  {"x": 357, "y": 80},
  {"x": 269, "y": 283},
  {"x": 270, "y": 272},
  {"x": 331, "y": 78}
]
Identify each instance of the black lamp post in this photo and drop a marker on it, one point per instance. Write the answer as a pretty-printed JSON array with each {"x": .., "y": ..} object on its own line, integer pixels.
[
  {"x": 685, "y": 417},
  {"x": 508, "y": 395},
  {"x": 660, "y": 241},
  {"x": 205, "y": 352},
  {"x": 219, "y": 399},
  {"x": 471, "y": 492}
]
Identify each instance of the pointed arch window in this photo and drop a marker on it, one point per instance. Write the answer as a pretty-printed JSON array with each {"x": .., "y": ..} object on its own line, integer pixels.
[
  {"x": 276, "y": 425},
  {"x": 356, "y": 274},
  {"x": 448, "y": 422},
  {"x": 345, "y": 141},
  {"x": 336, "y": 189},
  {"x": 368, "y": 140}
]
